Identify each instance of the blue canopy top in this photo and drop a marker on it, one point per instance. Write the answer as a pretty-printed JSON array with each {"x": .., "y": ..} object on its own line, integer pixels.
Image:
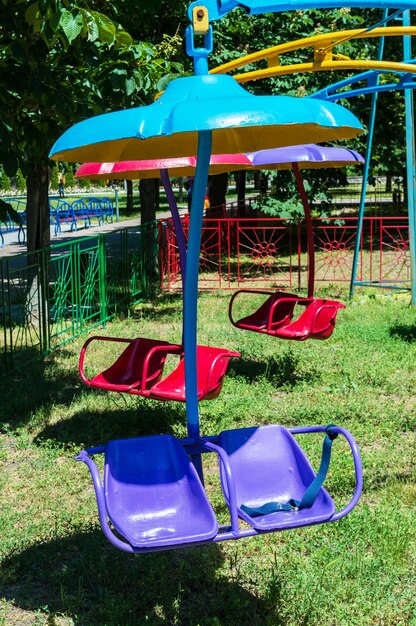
[{"x": 240, "y": 121}]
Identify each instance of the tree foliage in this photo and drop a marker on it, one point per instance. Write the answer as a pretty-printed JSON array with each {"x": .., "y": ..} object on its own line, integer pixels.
[
  {"x": 238, "y": 34},
  {"x": 62, "y": 61}
]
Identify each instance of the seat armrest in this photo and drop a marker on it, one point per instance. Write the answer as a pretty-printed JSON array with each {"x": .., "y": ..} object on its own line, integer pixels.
[
  {"x": 84, "y": 349},
  {"x": 100, "y": 497},
  {"x": 236, "y": 293},
  {"x": 229, "y": 493},
  {"x": 169, "y": 348}
]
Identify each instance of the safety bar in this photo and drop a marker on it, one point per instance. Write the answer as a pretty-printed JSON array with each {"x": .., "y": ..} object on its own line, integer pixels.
[
  {"x": 294, "y": 300},
  {"x": 358, "y": 468}
]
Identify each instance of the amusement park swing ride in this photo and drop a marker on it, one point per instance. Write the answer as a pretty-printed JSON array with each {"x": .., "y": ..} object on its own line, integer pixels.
[{"x": 152, "y": 494}]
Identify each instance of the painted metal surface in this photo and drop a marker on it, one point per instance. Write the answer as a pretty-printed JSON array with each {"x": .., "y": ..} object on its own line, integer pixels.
[
  {"x": 88, "y": 280},
  {"x": 267, "y": 253},
  {"x": 239, "y": 121},
  {"x": 324, "y": 66},
  {"x": 368, "y": 153},
  {"x": 138, "y": 170},
  {"x": 256, "y": 464},
  {"x": 322, "y": 45},
  {"x": 201, "y": 114},
  {"x": 307, "y": 156},
  {"x": 337, "y": 91},
  {"x": 139, "y": 370},
  {"x": 410, "y": 162},
  {"x": 218, "y": 8}
]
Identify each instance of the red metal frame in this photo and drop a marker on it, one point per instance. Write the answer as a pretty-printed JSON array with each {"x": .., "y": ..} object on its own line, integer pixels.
[{"x": 247, "y": 252}]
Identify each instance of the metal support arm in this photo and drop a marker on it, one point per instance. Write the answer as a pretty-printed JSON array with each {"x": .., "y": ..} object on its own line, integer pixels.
[{"x": 219, "y": 8}]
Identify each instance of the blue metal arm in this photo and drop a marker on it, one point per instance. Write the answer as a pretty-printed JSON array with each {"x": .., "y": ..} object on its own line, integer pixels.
[
  {"x": 219, "y": 8},
  {"x": 332, "y": 93}
]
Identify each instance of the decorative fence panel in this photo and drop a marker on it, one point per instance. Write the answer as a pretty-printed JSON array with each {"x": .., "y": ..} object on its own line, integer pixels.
[
  {"x": 272, "y": 252},
  {"x": 54, "y": 295}
]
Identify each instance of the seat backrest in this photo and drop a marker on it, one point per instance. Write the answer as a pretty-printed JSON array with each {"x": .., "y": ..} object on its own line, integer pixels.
[
  {"x": 211, "y": 367},
  {"x": 267, "y": 464},
  {"x": 153, "y": 494},
  {"x": 212, "y": 364},
  {"x": 325, "y": 319},
  {"x": 261, "y": 316},
  {"x": 128, "y": 368},
  {"x": 302, "y": 326},
  {"x": 284, "y": 308}
]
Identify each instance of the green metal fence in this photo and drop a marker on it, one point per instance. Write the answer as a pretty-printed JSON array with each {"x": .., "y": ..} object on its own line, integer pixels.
[{"x": 54, "y": 295}]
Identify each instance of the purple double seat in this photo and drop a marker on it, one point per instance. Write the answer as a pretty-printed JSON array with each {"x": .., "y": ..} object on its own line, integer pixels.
[{"x": 153, "y": 498}]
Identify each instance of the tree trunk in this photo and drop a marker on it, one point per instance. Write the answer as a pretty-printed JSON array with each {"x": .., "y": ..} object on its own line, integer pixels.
[
  {"x": 388, "y": 182},
  {"x": 37, "y": 206},
  {"x": 240, "y": 180},
  {"x": 149, "y": 195},
  {"x": 217, "y": 191},
  {"x": 180, "y": 189},
  {"x": 129, "y": 196},
  {"x": 256, "y": 175},
  {"x": 38, "y": 236},
  {"x": 264, "y": 182}
]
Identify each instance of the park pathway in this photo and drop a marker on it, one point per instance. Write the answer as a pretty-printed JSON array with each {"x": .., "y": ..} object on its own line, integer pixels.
[{"x": 12, "y": 247}]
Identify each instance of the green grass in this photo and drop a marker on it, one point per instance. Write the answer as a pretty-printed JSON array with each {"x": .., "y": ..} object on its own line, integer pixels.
[{"x": 56, "y": 565}]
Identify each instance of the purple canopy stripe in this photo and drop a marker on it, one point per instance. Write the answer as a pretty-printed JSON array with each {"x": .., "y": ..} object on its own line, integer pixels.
[{"x": 307, "y": 156}]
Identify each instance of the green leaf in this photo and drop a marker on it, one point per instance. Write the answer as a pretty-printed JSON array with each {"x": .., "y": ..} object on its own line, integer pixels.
[
  {"x": 71, "y": 23},
  {"x": 106, "y": 28},
  {"x": 123, "y": 38},
  {"x": 32, "y": 13},
  {"x": 130, "y": 86}
]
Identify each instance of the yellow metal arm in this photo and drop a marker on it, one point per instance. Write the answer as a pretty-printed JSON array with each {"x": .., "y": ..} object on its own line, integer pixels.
[
  {"x": 322, "y": 45},
  {"x": 282, "y": 70}
]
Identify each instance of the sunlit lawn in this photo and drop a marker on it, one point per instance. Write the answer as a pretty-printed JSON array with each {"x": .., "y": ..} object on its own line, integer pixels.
[{"x": 56, "y": 565}]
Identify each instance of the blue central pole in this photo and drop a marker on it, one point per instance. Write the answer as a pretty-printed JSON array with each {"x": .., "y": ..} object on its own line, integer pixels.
[{"x": 191, "y": 281}]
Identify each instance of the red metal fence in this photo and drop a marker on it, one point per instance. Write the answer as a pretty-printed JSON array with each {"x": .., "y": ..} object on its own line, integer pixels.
[{"x": 271, "y": 252}]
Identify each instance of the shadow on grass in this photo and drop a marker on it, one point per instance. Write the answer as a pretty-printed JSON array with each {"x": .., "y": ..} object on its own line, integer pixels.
[
  {"x": 160, "y": 307},
  {"x": 89, "y": 428},
  {"x": 405, "y": 332},
  {"x": 38, "y": 385},
  {"x": 281, "y": 369},
  {"x": 87, "y": 579},
  {"x": 155, "y": 313}
]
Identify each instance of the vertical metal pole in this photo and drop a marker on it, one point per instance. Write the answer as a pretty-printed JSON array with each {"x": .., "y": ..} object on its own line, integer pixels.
[
  {"x": 176, "y": 218},
  {"x": 410, "y": 162},
  {"x": 191, "y": 287},
  {"x": 117, "y": 206},
  {"x": 371, "y": 125},
  {"x": 309, "y": 229},
  {"x": 103, "y": 279},
  {"x": 180, "y": 237}
]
